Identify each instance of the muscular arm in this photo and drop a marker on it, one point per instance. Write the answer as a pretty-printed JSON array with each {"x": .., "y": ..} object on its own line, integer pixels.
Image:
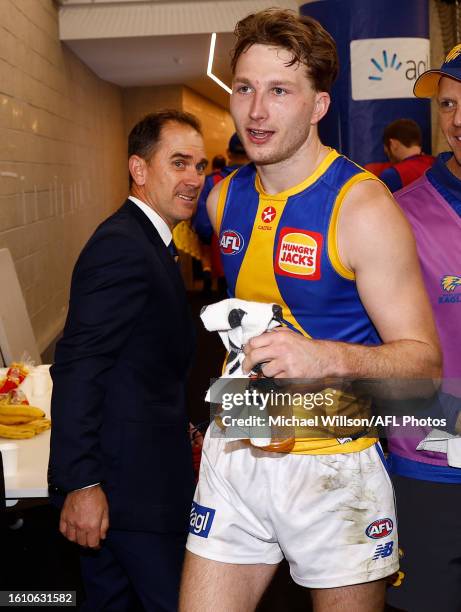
[
  {"x": 375, "y": 242},
  {"x": 212, "y": 205},
  {"x": 200, "y": 221}
]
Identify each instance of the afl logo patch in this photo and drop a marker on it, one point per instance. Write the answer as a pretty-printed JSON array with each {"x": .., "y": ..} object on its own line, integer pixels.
[
  {"x": 268, "y": 214},
  {"x": 379, "y": 529},
  {"x": 231, "y": 242},
  {"x": 298, "y": 253}
]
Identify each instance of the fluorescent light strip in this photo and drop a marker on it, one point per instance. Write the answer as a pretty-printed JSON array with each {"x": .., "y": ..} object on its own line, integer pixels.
[{"x": 210, "y": 65}]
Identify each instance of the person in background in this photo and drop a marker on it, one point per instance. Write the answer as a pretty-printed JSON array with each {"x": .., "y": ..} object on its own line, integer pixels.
[
  {"x": 121, "y": 461},
  {"x": 402, "y": 140},
  {"x": 428, "y": 483},
  {"x": 211, "y": 259},
  {"x": 306, "y": 228},
  {"x": 218, "y": 162}
]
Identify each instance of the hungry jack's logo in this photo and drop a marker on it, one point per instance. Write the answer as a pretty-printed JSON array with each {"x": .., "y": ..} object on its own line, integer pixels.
[{"x": 298, "y": 253}]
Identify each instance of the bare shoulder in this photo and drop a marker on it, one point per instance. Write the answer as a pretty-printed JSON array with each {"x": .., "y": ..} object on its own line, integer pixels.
[
  {"x": 371, "y": 219},
  {"x": 370, "y": 201},
  {"x": 212, "y": 203}
]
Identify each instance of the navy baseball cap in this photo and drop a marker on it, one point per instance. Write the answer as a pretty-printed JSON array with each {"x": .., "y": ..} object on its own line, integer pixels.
[
  {"x": 235, "y": 145},
  {"x": 426, "y": 84}
]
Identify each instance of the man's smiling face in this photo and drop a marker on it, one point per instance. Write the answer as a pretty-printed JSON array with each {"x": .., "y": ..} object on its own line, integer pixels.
[
  {"x": 449, "y": 102},
  {"x": 173, "y": 177}
]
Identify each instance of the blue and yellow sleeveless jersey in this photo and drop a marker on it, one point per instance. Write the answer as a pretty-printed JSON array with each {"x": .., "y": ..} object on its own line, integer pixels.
[{"x": 282, "y": 248}]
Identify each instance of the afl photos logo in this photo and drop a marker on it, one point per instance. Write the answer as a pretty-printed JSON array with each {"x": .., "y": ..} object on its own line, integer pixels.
[
  {"x": 231, "y": 242},
  {"x": 298, "y": 253}
]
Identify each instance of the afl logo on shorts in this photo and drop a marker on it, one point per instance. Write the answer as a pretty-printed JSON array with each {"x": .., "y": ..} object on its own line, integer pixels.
[
  {"x": 379, "y": 529},
  {"x": 298, "y": 253},
  {"x": 231, "y": 242}
]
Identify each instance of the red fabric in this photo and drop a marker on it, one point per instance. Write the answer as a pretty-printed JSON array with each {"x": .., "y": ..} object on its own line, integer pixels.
[
  {"x": 196, "y": 458},
  {"x": 377, "y": 167},
  {"x": 217, "y": 176},
  {"x": 412, "y": 168}
]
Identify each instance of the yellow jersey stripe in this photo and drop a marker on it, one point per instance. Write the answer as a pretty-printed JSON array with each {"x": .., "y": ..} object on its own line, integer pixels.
[
  {"x": 333, "y": 251},
  {"x": 284, "y": 195},
  {"x": 259, "y": 251},
  {"x": 224, "y": 188}
]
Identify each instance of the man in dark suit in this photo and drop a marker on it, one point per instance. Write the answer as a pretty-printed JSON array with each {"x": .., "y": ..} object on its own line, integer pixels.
[{"x": 120, "y": 451}]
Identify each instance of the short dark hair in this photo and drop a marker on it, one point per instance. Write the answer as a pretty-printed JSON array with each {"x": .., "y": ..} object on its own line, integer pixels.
[
  {"x": 145, "y": 136},
  {"x": 218, "y": 162},
  {"x": 308, "y": 42},
  {"x": 405, "y": 131}
]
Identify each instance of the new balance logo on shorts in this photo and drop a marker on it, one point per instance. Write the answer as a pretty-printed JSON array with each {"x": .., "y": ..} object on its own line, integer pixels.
[
  {"x": 383, "y": 550},
  {"x": 201, "y": 519}
]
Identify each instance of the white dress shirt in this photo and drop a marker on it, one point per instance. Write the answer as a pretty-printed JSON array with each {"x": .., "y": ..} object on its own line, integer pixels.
[{"x": 156, "y": 219}]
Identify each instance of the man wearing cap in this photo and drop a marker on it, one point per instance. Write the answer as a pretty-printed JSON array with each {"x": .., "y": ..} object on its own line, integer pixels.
[
  {"x": 428, "y": 500},
  {"x": 211, "y": 260}
]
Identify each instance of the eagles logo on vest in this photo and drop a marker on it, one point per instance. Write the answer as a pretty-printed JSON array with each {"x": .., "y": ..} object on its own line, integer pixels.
[
  {"x": 298, "y": 253},
  {"x": 450, "y": 282}
]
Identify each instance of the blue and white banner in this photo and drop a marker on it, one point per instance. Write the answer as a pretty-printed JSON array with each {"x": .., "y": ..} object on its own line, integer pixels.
[
  {"x": 386, "y": 68},
  {"x": 383, "y": 47}
]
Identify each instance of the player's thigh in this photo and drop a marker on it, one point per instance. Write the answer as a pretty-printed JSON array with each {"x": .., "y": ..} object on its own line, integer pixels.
[
  {"x": 215, "y": 586},
  {"x": 367, "y": 597}
]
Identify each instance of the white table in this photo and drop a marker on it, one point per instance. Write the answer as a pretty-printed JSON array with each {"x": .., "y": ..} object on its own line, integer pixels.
[{"x": 30, "y": 479}]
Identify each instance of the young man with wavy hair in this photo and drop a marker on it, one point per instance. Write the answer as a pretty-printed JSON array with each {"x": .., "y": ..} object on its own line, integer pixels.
[{"x": 324, "y": 239}]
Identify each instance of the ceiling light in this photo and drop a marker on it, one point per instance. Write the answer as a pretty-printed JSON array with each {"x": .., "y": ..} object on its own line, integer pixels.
[{"x": 210, "y": 65}]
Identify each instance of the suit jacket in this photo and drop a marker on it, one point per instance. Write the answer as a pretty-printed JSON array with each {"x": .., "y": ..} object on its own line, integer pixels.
[{"x": 118, "y": 405}]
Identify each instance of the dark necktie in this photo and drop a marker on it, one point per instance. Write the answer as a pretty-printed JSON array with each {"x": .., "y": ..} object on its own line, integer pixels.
[{"x": 173, "y": 250}]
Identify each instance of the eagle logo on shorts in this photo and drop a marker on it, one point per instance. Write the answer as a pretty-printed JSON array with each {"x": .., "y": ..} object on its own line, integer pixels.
[{"x": 449, "y": 283}]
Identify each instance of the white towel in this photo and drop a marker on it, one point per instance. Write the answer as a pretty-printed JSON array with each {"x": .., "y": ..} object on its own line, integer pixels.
[
  {"x": 237, "y": 321},
  {"x": 439, "y": 441}
]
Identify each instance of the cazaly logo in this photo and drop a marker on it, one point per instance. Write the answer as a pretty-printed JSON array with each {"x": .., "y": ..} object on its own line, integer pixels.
[
  {"x": 268, "y": 214},
  {"x": 298, "y": 253}
]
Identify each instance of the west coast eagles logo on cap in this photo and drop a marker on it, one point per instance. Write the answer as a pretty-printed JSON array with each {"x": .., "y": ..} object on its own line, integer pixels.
[
  {"x": 453, "y": 54},
  {"x": 298, "y": 253}
]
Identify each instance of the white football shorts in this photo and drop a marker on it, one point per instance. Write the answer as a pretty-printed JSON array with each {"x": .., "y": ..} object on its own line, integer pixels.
[{"x": 331, "y": 516}]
